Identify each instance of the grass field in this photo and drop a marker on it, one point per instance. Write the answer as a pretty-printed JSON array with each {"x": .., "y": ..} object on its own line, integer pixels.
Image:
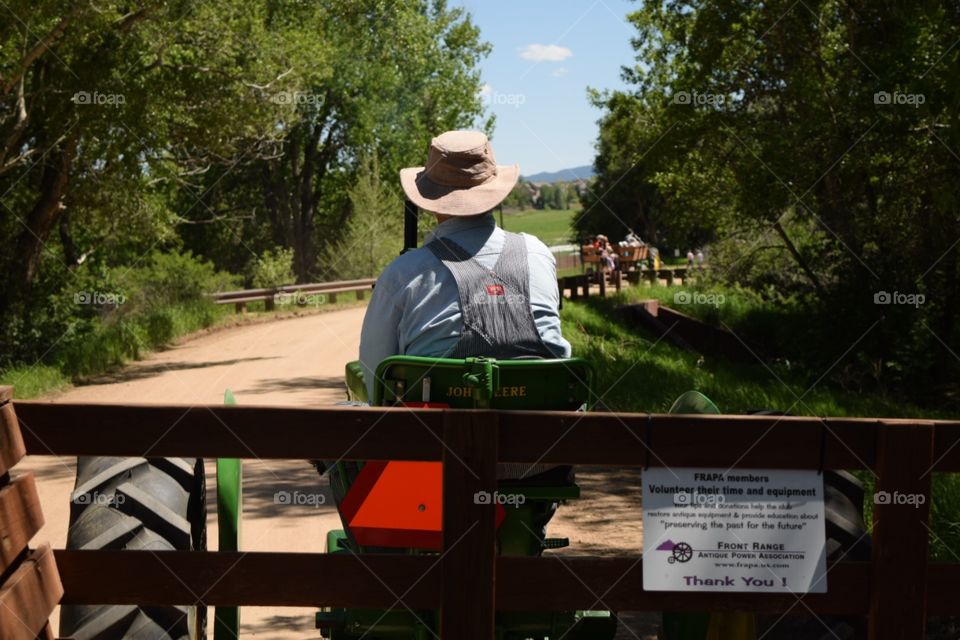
[{"x": 552, "y": 227}]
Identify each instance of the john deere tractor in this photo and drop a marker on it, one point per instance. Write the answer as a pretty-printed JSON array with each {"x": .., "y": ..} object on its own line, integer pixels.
[{"x": 411, "y": 524}]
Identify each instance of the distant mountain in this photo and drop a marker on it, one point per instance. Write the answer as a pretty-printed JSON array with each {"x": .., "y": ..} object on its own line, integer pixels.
[{"x": 564, "y": 175}]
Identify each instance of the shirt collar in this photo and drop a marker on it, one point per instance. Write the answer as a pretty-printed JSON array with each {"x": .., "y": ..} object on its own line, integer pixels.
[{"x": 460, "y": 223}]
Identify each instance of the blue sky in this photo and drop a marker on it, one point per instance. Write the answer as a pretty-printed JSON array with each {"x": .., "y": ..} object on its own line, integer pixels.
[{"x": 545, "y": 55}]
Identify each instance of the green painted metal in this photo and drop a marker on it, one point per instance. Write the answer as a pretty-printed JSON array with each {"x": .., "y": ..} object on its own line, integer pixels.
[
  {"x": 229, "y": 513},
  {"x": 356, "y": 385},
  {"x": 732, "y": 625},
  {"x": 693, "y": 402},
  {"x": 464, "y": 384},
  {"x": 479, "y": 382}
]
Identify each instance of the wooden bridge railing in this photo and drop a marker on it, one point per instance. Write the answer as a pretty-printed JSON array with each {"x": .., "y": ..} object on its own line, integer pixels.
[
  {"x": 898, "y": 589},
  {"x": 579, "y": 285}
]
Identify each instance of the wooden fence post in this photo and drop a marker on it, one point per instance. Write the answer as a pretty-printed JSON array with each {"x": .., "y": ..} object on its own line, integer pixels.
[
  {"x": 469, "y": 525},
  {"x": 898, "y": 599}
]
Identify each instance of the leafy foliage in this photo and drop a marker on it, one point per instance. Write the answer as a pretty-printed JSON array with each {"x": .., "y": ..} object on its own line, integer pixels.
[
  {"x": 815, "y": 143},
  {"x": 373, "y": 236},
  {"x": 272, "y": 269},
  {"x": 138, "y": 137}
]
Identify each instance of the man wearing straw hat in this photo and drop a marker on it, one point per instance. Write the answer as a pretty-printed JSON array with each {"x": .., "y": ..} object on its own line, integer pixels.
[{"x": 473, "y": 289}]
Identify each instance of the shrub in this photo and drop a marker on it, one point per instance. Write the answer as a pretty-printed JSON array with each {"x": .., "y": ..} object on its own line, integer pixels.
[{"x": 272, "y": 269}]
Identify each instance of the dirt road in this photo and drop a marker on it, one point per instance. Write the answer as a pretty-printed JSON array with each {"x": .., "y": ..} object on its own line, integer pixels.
[{"x": 299, "y": 361}]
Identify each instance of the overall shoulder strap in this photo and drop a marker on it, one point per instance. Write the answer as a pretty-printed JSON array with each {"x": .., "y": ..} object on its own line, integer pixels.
[{"x": 494, "y": 303}]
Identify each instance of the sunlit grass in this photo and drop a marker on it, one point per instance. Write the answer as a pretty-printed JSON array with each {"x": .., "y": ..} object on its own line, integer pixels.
[{"x": 551, "y": 226}]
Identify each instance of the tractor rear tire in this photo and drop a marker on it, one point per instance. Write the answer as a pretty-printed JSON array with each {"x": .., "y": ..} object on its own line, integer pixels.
[{"x": 156, "y": 504}]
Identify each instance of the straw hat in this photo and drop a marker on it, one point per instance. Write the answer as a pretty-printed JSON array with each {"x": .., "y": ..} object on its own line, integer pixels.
[{"x": 461, "y": 178}]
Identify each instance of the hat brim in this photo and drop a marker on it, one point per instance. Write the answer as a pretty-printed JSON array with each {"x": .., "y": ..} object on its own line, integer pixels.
[{"x": 458, "y": 201}]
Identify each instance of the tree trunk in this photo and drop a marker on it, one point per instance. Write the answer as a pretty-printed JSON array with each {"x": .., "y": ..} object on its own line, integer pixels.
[
  {"x": 70, "y": 254},
  {"x": 42, "y": 218},
  {"x": 811, "y": 276}
]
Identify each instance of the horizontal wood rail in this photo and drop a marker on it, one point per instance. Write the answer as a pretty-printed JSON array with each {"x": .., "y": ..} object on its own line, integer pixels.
[
  {"x": 552, "y": 437},
  {"x": 579, "y": 285},
  {"x": 523, "y": 584},
  {"x": 897, "y": 590}
]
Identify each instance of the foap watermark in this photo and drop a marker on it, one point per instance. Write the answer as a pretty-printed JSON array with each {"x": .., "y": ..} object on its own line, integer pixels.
[
  {"x": 300, "y": 298},
  {"x": 492, "y": 97},
  {"x": 99, "y": 298},
  {"x": 899, "y": 98},
  {"x": 897, "y": 498},
  {"x": 103, "y": 499},
  {"x": 695, "y": 297},
  {"x": 886, "y": 297},
  {"x": 697, "y": 499},
  {"x": 299, "y": 498},
  {"x": 98, "y": 99},
  {"x": 512, "y": 499},
  {"x": 296, "y": 98},
  {"x": 697, "y": 99}
]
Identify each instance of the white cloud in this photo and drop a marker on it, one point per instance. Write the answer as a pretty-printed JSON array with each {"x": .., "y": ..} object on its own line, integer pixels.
[
  {"x": 545, "y": 53},
  {"x": 485, "y": 90},
  {"x": 560, "y": 72}
]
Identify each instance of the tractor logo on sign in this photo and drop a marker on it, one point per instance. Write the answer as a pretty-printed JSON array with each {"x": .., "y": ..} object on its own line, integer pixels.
[{"x": 679, "y": 551}]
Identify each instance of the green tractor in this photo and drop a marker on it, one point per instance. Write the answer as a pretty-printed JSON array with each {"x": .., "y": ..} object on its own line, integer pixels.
[{"x": 528, "y": 500}]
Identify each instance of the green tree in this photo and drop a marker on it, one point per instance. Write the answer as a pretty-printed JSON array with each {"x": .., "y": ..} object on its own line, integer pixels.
[
  {"x": 374, "y": 233},
  {"x": 831, "y": 118},
  {"x": 224, "y": 129},
  {"x": 385, "y": 90}
]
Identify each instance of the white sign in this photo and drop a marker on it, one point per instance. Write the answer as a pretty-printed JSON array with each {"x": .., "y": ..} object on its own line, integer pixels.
[{"x": 733, "y": 530}]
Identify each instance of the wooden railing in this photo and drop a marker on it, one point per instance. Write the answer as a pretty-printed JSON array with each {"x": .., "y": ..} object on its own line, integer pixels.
[
  {"x": 294, "y": 293},
  {"x": 29, "y": 582},
  {"x": 898, "y": 589},
  {"x": 580, "y": 285}
]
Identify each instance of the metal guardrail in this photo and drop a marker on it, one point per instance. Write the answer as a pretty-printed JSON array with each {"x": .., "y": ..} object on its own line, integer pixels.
[{"x": 293, "y": 293}]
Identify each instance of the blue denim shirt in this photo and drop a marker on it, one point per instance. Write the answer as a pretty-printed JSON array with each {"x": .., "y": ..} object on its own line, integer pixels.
[{"x": 415, "y": 307}]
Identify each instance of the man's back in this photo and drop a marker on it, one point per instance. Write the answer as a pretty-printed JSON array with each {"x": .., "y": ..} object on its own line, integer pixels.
[{"x": 416, "y": 305}]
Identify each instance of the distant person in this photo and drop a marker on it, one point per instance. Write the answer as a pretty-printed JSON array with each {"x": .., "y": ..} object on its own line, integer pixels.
[
  {"x": 690, "y": 257},
  {"x": 608, "y": 255},
  {"x": 699, "y": 257}
]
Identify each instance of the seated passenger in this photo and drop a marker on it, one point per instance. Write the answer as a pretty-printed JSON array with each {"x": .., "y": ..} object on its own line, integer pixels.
[{"x": 473, "y": 289}]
